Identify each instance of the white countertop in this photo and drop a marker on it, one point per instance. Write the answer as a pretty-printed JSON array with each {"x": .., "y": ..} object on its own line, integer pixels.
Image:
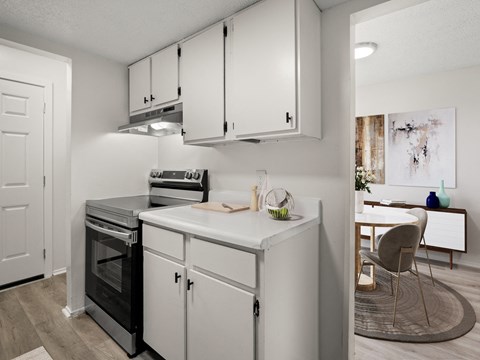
[{"x": 255, "y": 230}]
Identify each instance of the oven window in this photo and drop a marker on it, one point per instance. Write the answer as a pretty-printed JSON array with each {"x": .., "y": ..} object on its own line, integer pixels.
[
  {"x": 111, "y": 269},
  {"x": 107, "y": 262}
]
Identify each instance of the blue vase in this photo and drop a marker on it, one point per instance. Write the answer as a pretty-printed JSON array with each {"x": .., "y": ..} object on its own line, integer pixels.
[
  {"x": 432, "y": 201},
  {"x": 443, "y": 198}
]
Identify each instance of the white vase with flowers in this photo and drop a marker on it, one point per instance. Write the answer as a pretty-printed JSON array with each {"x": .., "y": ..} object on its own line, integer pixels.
[{"x": 363, "y": 178}]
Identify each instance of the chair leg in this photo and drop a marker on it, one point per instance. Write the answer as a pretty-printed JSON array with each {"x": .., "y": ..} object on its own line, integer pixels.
[
  {"x": 421, "y": 291},
  {"x": 391, "y": 284},
  {"x": 428, "y": 260},
  {"x": 359, "y": 275},
  {"x": 396, "y": 290}
]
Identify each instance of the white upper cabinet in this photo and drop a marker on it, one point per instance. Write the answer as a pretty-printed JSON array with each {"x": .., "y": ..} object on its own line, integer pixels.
[
  {"x": 139, "y": 85},
  {"x": 154, "y": 81},
  {"x": 273, "y": 83},
  {"x": 165, "y": 76},
  {"x": 260, "y": 80},
  {"x": 263, "y": 69},
  {"x": 203, "y": 90}
]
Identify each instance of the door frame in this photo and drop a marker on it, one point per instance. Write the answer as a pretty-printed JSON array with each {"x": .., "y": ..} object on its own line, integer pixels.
[
  {"x": 47, "y": 161},
  {"x": 370, "y": 13}
]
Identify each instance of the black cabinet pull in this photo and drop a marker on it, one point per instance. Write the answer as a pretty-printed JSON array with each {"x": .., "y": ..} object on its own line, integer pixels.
[
  {"x": 152, "y": 98},
  {"x": 177, "y": 276},
  {"x": 288, "y": 117},
  {"x": 189, "y": 284},
  {"x": 182, "y": 132},
  {"x": 145, "y": 100},
  {"x": 256, "y": 308}
]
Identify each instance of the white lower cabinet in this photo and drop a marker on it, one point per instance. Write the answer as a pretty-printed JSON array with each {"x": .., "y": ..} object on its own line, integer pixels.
[
  {"x": 164, "y": 306},
  {"x": 189, "y": 315},
  {"x": 220, "y": 320},
  {"x": 211, "y": 300}
]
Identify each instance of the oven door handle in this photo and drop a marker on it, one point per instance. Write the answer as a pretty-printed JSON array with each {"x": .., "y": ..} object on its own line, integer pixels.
[{"x": 129, "y": 238}]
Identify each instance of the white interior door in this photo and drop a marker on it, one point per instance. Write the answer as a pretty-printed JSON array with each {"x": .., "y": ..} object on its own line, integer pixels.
[{"x": 21, "y": 181}]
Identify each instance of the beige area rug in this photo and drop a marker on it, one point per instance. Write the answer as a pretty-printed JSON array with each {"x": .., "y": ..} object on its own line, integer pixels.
[
  {"x": 37, "y": 354},
  {"x": 451, "y": 315}
]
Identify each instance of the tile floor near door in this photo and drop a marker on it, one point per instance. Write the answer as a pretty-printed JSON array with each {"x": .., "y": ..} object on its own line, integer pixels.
[
  {"x": 467, "y": 282},
  {"x": 31, "y": 316}
]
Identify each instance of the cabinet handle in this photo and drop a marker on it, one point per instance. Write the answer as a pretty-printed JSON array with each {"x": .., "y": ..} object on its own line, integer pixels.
[
  {"x": 189, "y": 284},
  {"x": 288, "y": 117},
  {"x": 256, "y": 308},
  {"x": 145, "y": 100},
  {"x": 152, "y": 98},
  {"x": 177, "y": 276},
  {"x": 182, "y": 132}
]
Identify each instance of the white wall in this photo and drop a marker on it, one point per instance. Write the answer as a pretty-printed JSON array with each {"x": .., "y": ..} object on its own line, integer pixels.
[
  {"x": 103, "y": 162},
  {"x": 459, "y": 89}
]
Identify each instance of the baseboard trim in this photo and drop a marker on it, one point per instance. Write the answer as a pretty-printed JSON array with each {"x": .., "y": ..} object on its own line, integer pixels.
[
  {"x": 21, "y": 282},
  {"x": 59, "y": 271},
  {"x": 69, "y": 313}
]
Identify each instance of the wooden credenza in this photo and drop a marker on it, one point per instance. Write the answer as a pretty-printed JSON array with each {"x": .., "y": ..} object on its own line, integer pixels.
[{"x": 446, "y": 228}]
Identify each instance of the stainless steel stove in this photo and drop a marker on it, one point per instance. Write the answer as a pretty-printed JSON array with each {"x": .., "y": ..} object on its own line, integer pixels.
[{"x": 114, "y": 264}]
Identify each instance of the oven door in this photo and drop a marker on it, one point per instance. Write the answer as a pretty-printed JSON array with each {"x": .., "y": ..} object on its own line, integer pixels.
[{"x": 111, "y": 269}]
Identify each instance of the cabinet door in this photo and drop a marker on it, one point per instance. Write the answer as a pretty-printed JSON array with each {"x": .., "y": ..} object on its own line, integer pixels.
[
  {"x": 263, "y": 69},
  {"x": 203, "y": 85},
  {"x": 139, "y": 85},
  {"x": 220, "y": 323},
  {"x": 165, "y": 76},
  {"x": 164, "y": 306}
]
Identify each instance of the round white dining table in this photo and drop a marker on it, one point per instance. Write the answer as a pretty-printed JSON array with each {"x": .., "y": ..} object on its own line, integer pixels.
[{"x": 374, "y": 217}]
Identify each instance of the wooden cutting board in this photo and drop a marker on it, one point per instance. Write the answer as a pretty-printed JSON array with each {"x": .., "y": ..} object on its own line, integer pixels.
[{"x": 217, "y": 206}]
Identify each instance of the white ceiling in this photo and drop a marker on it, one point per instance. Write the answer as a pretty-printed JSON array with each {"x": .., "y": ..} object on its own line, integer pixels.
[
  {"x": 122, "y": 30},
  {"x": 435, "y": 36}
]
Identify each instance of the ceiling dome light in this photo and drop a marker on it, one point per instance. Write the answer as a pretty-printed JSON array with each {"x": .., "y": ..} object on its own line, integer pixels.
[{"x": 364, "y": 49}]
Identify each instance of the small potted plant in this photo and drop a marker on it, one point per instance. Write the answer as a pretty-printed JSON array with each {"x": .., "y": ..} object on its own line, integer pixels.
[{"x": 363, "y": 177}]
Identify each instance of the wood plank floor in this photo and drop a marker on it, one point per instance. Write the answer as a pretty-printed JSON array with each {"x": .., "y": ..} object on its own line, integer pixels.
[
  {"x": 31, "y": 316},
  {"x": 467, "y": 282}
]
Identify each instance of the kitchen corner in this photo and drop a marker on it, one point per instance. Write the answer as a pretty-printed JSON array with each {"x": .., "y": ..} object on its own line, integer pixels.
[{"x": 242, "y": 277}]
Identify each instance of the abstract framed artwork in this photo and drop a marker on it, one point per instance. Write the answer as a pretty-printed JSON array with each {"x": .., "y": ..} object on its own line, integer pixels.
[
  {"x": 421, "y": 148},
  {"x": 370, "y": 145}
]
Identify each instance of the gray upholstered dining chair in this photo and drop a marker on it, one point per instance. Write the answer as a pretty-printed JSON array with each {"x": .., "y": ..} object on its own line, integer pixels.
[
  {"x": 396, "y": 254},
  {"x": 422, "y": 216}
]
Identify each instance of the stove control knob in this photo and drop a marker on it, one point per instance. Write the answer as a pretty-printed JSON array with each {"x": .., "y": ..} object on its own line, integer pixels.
[
  {"x": 159, "y": 174},
  {"x": 196, "y": 175},
  {"x": 152, "y": 174},
  {"x": 188, "y": 175}
]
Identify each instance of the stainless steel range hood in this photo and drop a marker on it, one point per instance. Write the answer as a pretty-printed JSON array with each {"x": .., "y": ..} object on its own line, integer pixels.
[{"x": 159, "y": 122}]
